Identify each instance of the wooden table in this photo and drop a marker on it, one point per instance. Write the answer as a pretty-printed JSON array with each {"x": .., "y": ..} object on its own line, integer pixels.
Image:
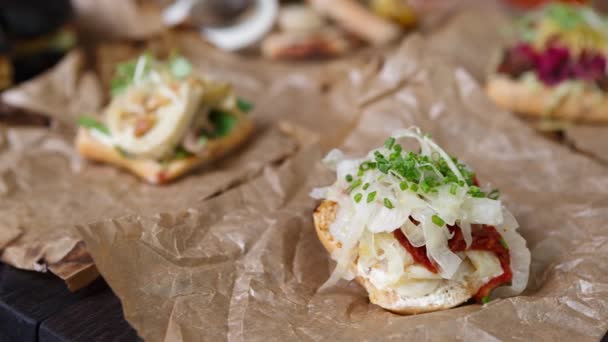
[{"x": 38, "y": 307}]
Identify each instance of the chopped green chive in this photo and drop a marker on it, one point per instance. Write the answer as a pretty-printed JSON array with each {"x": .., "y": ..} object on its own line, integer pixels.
[
  {"x": 425, "y": 187},
  {"x": 349, "y": 178},
  {"x": 417, "y": 171},
  {"x": 358, "y": 197},
  {"x": 367, "y": 166},
  {"x": 453, "y": 189},
  {"x": 371, "y": 196},
  {"x": 244, "y": 105},
  {"x": 389, "y": 143},
  {"x": 354, "y": 185},
  {"x": 494, "y": 194},
  {"x": 485, "y": 300},
  {"x": 90, "y": 123},
  {"x": 388, "y": 203},
  {"x": 476, "y": 192},
  {"x": 437, "y": 220},
  {"x": 365, "y": 186},
  {"x": 504, "y": 243}
]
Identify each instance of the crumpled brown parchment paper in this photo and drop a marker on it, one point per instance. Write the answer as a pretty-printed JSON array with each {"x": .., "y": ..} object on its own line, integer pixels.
[
  {"x": 48, "y": 188},
  {"x": 246, "y": 265}
]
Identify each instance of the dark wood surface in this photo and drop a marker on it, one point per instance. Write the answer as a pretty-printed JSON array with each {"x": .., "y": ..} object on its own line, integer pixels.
[{"x": 38, "y": 307}]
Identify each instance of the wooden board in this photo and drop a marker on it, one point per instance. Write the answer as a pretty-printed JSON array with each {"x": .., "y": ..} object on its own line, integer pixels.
[
  {"x": 99, "y": 318},
  {"x": 39, "y": 307}
]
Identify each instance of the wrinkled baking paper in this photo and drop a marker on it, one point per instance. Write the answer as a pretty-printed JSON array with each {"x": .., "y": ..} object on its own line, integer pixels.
[
  {"x": 246, "y": 265},
  {"x": 46, "y": 188},
  {"x": 475, "y": 38}
]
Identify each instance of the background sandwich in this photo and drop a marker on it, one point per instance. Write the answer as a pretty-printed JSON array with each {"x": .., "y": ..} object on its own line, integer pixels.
[
  {"x": 163, "y": 120},
  {"x": 557, "y": 69}
]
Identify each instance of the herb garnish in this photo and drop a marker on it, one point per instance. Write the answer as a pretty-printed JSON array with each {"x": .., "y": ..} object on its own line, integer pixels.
[
  {"x": 90, "y": 123},
  {"x": 438, "y": 221},
  {"x": 417, "y": 173},
  {"x": 244, "y": 105},
  {"x": 126, "y": 72},
  {"x": 223, "y": 122}
]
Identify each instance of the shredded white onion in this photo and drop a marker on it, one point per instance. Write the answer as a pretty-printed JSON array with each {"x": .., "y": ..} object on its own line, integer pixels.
[
  {"x": 483, "y": 211},
  {"x": 519, "y": 255},
  {"x": 332, "y": 159},
  {"x": 437, "y": 249},
  {"x": 413, "y": 233},
  {"x": 465, "y": 228}
]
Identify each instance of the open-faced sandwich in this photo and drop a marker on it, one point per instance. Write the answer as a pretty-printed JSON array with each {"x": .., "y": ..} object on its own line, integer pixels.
[
  {"x": 416, "y": 230},
  {"x": 163, "y": 120},
  {"x": 558, "y": 68}
]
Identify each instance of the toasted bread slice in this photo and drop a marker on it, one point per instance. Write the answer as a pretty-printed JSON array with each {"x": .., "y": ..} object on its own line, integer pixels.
[
  {"x": 154, "y": 171},
  {"x": 449, "y": 294},
  {"x": 545, "y": 102}
]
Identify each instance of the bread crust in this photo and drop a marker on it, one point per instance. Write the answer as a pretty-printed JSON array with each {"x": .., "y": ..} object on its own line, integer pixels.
[
  {"x": 517, "y": 96},
  {"x": 155, "y": 172},
  {"x": 447, "y": 295}
]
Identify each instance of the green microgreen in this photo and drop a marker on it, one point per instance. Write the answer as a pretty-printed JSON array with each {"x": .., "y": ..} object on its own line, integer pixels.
[
  {"x": 244, "y": 105},
  {"x": 223, "y": 122},
  {"x": 90, "y": 123}
]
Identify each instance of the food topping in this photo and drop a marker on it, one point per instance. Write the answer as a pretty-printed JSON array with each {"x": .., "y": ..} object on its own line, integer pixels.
[
  {"x": 160, "y": 110},
  {"x": 435, "y": 212},
  {"x": 560, "y": 43},
  {"x": 555, "y": 64},
  {"x": 485, "y": 238}
]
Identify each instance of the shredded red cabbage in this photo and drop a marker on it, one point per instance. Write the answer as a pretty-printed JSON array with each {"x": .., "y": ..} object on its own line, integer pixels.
[{"x": 555, "y": 64}]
